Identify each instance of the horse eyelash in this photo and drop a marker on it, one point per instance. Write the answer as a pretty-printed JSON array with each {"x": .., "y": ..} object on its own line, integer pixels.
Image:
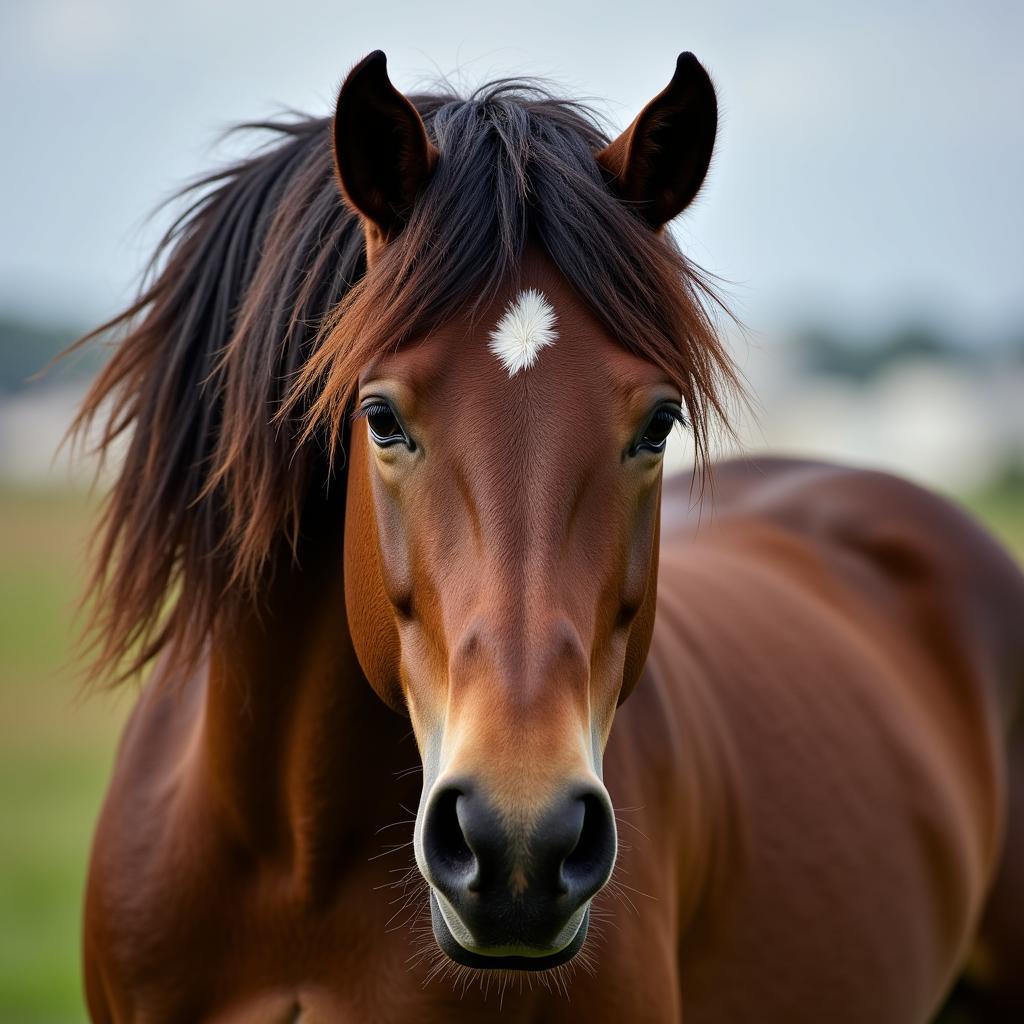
[
  {"x": 676, "y": 412},
  {"x": 371, "y": 407}
]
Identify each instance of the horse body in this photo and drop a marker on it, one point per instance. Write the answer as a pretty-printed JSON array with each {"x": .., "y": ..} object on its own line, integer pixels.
[
  {"x": 826, "y": 616},
  {"x": 789, "y": 723},
  {"x": 811, "y": 677}
]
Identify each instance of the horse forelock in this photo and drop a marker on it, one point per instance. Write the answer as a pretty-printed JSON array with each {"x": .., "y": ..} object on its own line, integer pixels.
[{"x": 236, "y": 367}]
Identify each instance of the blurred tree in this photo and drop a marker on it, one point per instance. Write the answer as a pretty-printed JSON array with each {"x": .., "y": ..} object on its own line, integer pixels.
[
  {"x": 827, "y": 352},
  {"x": 26, "y": 347}
]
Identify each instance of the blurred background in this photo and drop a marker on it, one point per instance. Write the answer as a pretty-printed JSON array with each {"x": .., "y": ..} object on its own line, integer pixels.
[{"x": 863, "y": 211}]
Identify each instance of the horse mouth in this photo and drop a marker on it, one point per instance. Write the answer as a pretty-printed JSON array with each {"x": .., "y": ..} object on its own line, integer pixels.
[{"x": 504, "y": 958}]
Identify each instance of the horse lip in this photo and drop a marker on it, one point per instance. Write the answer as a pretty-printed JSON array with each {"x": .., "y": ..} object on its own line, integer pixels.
[{"x": 527, "y": 960}]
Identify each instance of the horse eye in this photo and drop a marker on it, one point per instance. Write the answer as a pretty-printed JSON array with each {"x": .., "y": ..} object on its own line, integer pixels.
[
  {"x": 659, "y": 426},
  {"x": 384, "y": 426}
]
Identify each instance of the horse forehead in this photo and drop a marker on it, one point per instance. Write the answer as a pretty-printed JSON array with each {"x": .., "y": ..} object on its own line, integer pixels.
[
  {"x": 572, "y": 366},
  {"x": 537, "y": 347},
  {"x": 454, "y": 371},
  {"x": 570, "y": 385}
]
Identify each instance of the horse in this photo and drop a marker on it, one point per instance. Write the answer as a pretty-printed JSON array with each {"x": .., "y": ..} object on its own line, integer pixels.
[{"x": 454, "y": 703}]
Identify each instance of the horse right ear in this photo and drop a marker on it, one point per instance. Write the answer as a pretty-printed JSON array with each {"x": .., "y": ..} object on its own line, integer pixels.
[
  {"x": 658, "y": 163},
  {"x": 381, "y": 150}
]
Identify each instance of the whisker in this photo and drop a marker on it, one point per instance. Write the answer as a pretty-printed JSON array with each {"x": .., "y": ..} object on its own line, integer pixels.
[
  {"x": 629, "y": 824},
  {"x": 395, "y": 824},
  {"x": 639, "y": 892},
  {"x": 391, "y": 849}
]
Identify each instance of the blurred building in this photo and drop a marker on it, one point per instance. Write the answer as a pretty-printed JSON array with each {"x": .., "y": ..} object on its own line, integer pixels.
[{"x": 952, "y": 420}]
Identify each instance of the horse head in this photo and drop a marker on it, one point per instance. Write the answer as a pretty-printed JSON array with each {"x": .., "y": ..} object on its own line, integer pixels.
[{"x": 504, "y": 477}]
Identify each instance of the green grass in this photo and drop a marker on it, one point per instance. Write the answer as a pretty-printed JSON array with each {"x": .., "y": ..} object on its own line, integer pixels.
[
  {"x": 56, "y": 749},
  {"x": 55, "y": 755},
  {"x": 1002, "y": 510}
]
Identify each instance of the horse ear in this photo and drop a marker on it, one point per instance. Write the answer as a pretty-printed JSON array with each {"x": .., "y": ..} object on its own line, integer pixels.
[
  {"x": 381, "y": 150},
  {"x": 659, "y": 162}
]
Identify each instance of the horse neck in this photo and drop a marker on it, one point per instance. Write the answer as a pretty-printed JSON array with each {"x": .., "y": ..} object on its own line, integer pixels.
[{"x": 300, "y": 755}]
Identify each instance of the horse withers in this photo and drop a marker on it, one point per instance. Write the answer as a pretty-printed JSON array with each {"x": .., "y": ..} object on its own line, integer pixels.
[{"x": 394, "y": 457}]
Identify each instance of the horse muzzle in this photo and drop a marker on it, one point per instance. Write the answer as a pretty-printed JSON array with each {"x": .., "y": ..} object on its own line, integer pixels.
[{"x": 514, "y": 896}]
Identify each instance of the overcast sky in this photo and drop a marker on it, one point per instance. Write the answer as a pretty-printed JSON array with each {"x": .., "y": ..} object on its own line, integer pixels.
[{"x": 870, "y": 162}]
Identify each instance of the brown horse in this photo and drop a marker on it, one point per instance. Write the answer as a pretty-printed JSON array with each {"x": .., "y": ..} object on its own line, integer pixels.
[{"x": 395, "y": 456}]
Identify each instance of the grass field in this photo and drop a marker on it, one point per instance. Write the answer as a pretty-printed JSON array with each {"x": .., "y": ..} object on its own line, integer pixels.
[
  {"x": 56, "y": 749},
  {"x": 55, "y": 753}
]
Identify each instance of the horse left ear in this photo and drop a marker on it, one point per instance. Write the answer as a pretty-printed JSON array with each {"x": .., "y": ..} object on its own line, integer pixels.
[
  {"x": 659, "y": 162},
  {"x": 381, "y": 150}
]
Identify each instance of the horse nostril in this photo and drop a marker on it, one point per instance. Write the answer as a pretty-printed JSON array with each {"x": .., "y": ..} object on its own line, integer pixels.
[
  {"x": 476, "y": 862},
  {"x": 451, "y": 860},
  {"x": 589, "y": 863}
]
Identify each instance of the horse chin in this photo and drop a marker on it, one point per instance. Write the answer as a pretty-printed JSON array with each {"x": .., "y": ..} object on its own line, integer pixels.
[{"x": 502, "y": 959}]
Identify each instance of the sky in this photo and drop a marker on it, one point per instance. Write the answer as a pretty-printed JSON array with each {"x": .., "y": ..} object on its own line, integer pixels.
[{"x": 869, "y": 166}]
